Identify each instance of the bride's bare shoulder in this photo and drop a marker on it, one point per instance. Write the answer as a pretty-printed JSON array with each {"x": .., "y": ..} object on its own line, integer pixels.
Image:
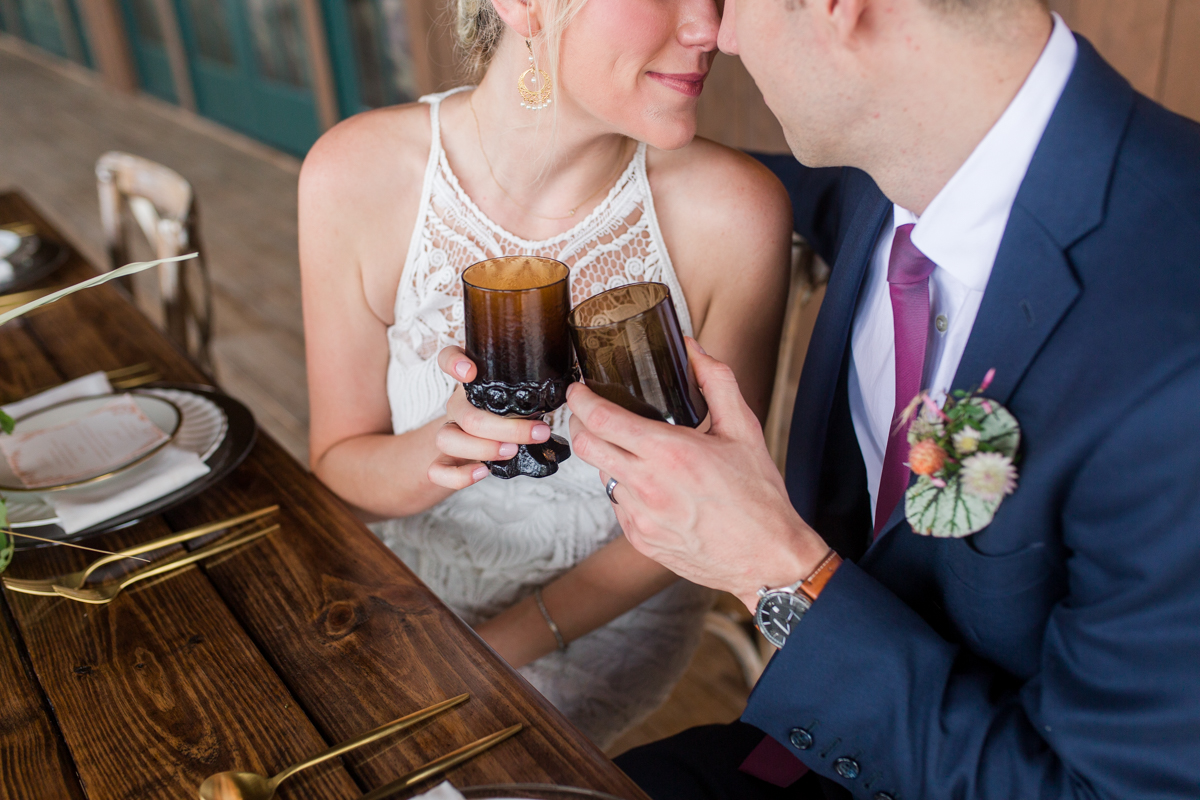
[
  {"x": 375, "y": 156},
  {"x": 715, "y": 205},
  {"x": 710, "y": 179}
]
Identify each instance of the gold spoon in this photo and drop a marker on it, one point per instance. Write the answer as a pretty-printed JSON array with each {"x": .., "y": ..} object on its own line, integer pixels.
[{"x": 234, "y": 785}]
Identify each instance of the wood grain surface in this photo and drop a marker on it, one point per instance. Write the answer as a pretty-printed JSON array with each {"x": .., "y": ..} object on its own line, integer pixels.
[{"x": 261, "y": 656}]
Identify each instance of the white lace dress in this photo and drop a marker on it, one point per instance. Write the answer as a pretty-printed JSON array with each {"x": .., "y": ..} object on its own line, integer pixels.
[{"x": 487, "y": 546}]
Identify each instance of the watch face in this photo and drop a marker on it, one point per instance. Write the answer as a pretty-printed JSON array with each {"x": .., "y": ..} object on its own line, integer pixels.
[{"x": 778, "y": 612}]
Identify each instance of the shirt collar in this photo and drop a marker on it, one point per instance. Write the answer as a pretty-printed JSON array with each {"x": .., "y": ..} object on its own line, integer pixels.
[{"x": 961, "y": 229}]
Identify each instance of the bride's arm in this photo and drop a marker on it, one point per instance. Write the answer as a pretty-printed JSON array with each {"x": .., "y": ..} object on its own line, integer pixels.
[
  {"x": 351, "y": 448},
  {"x": 728, "y": 228},
  {"x": 350, "y": 258}
]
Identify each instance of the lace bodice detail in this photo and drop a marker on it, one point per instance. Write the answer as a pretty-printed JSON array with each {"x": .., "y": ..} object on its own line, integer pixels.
[{"x": 618, "y": 242}]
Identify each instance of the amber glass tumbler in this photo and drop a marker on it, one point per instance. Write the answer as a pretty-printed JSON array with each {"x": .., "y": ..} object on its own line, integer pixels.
[
  {"x": 515, "y": 315},
  {"x": 631, "y": 351}
]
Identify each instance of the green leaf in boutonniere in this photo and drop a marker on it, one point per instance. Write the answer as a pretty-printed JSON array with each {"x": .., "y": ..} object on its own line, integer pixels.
[{"x": 964, "y": 456}]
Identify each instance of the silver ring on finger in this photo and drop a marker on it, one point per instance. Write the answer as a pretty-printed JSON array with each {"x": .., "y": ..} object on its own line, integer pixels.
[{"x": 608, "y": 489}]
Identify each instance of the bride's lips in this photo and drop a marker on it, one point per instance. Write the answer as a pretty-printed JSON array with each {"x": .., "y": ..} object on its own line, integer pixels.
[{"x": 686, "y": 83}]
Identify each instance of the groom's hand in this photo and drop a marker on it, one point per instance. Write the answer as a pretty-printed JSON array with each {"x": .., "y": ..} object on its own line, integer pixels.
[{"x": 711, "y": 507}]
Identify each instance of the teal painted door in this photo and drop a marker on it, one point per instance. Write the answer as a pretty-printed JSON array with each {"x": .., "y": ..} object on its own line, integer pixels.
[
  {"x": 53, "y": 25},
  {"x": 249, "y": 64},
  {"x": 371, "y": 49},
  {"x": 149, "y": 48}
]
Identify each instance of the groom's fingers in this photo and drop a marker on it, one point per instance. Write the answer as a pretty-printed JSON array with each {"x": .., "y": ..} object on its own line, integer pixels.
[
  {"x": 730, "y": 414},
  {"x": 608, "y": 421},
  {"x": 598, "y": 452}
]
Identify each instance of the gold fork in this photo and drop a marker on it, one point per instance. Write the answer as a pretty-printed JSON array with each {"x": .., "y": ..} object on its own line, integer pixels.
[
  {"x": 20, "y": 228},
  {"x": 106, "y": 594},
  {"x": 129, "y": 377},
  {"x": 75, "y": 580}
]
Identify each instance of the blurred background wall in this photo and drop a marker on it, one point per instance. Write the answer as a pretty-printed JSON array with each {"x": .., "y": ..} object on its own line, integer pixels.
[{"x": 282, "y": 71}]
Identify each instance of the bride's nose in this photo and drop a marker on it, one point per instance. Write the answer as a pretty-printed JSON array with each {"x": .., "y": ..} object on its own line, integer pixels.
[{"x": 698, "y": 24}]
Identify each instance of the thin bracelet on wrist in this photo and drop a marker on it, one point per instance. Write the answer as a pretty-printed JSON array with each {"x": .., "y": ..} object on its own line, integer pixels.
[{"x": 541, "y": 604}]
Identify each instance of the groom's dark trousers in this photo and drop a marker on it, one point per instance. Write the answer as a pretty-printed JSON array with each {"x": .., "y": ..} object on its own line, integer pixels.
[{"x": 1056, "y": 653}]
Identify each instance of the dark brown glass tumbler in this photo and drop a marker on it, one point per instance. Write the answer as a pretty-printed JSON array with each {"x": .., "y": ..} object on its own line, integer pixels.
[
  {"x": 515, "y": 315},
  {"x": 631, "y": 351}
]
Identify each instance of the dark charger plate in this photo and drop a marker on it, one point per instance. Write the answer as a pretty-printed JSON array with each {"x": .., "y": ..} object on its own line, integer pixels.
[
  {"x": 239, "y": 439},
  {"x": 35, "y": 259}
]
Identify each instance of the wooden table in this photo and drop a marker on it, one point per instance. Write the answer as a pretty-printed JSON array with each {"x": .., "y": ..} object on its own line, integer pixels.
[{"x": 253, "y": 660}]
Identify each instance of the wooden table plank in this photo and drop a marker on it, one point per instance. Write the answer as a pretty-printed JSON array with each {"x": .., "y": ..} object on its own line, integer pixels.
[
  {"x": 166, "y": 677},
  {"x": 350, "y": 632},
  {"x": 341, "y": 604},
  {"x": 34, "y": 762},
  {"x": 24, "y": 365}
]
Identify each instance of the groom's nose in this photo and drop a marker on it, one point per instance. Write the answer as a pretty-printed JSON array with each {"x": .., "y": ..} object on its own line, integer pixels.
[{"x": 727, "y": 37}]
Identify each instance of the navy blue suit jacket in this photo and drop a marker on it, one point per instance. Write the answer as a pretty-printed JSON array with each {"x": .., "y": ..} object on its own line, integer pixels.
[{"x": 1056, "y": 653}]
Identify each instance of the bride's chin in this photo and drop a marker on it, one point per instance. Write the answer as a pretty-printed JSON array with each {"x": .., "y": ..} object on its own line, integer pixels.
[{"x": 669, "y": 134}]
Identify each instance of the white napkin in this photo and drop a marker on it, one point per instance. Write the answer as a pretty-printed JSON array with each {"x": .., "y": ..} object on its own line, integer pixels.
[
  {"x": 167, "y": 471},
  {"x": 87, "y": 386},
  {"x": 443, "y": 791}
]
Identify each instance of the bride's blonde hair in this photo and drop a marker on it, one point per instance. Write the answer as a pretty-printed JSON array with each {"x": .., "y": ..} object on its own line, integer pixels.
[{"x": 479, "y": 29}]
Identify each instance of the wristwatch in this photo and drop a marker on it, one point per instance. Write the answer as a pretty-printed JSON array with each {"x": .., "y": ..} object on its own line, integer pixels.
[{"x": 780, "y": 609}]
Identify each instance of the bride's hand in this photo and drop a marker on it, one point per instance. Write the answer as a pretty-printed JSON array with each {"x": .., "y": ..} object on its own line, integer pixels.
[{"x": 472, "y": 435}]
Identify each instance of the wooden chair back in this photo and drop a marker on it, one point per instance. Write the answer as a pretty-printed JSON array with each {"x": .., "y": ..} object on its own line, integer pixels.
[
  {"x": 809, "y": 276},
  {"x": 163, "y": 207}
]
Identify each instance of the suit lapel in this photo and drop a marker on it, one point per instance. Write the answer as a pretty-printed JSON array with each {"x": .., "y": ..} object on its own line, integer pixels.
[
  {"x": 823, "y": 362},
  {"x": 1061, "y": 200}
]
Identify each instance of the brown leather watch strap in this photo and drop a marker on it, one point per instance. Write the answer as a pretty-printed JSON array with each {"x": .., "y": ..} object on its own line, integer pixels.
[{"x": 812, "y": 585}]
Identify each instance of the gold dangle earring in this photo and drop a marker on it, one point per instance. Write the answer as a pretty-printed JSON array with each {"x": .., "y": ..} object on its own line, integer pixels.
[{"x": 539, "y": 98}]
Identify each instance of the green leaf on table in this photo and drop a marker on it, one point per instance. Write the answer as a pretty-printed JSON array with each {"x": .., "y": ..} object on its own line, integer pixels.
[
  {"x": 6, "y": 422},
  {"x": 8, "y": 545}
]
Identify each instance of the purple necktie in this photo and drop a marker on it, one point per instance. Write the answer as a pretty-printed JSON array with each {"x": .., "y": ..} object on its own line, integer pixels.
[{"x": 908, "y": 284}]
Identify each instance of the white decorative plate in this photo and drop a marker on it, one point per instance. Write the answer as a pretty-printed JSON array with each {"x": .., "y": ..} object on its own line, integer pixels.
[{"x": 204, "y": 423}]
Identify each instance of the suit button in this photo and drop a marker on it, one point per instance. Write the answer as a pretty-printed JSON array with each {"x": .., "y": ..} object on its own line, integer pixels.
[
  {"x": 801, "y": 739},
  {"x": 883, "y": 796},
  {"x": 846, "y": 767}
]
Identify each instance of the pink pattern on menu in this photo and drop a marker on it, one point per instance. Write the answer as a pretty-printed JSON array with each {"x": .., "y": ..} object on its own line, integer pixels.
[{"x": 113, "y": 435}]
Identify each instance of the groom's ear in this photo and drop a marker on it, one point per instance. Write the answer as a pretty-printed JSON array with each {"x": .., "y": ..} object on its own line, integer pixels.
[
  {"x": 842, "y": 19},
  {"x": 523, "y": 16}
]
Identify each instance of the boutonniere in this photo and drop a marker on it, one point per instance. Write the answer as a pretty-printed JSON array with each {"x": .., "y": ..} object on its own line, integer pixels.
[{"x": 963, "y": 455}]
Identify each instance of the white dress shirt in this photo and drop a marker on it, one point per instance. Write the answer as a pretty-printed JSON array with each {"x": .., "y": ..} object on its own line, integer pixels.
[{"x": 960, "y": 232}]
